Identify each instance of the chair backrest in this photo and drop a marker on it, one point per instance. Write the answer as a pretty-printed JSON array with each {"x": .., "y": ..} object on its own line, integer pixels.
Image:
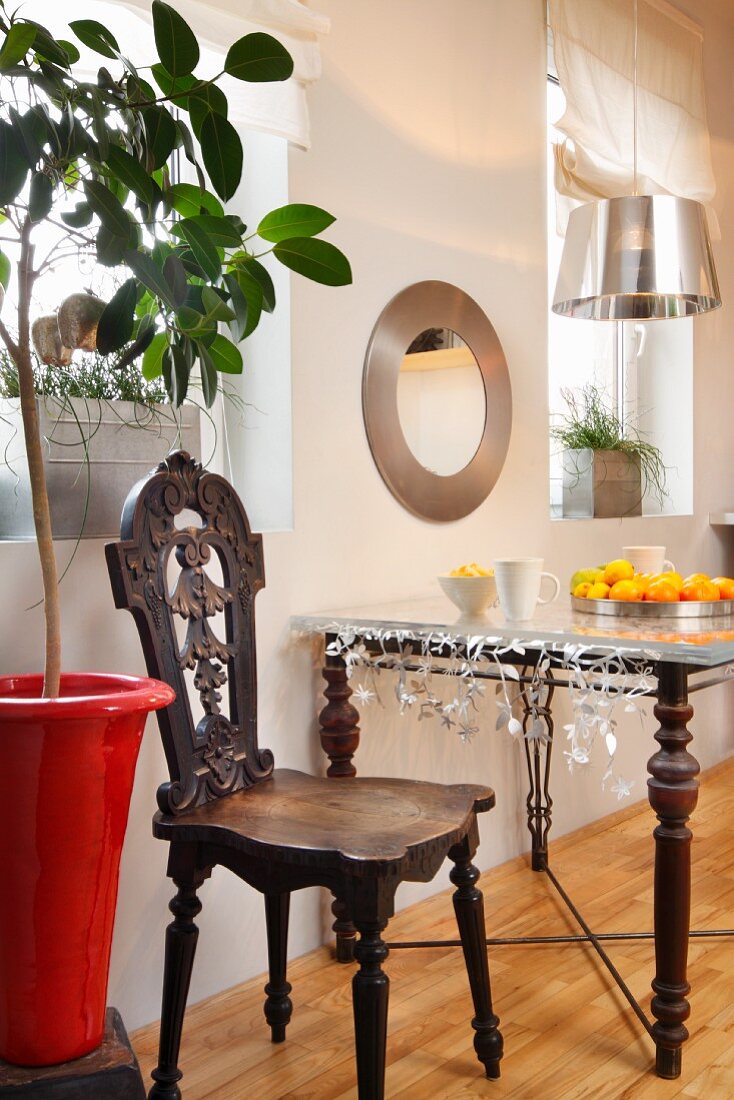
[{"x": 202, "y": 577}]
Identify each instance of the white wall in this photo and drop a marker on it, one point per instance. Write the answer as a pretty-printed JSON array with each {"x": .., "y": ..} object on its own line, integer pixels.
[{"x": 429, "y": 145}]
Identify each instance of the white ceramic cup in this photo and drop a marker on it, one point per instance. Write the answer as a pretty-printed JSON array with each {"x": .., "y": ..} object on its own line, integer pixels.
[
  {"x": 518, "y": 586},
  {"x": 648, "y": 559}
]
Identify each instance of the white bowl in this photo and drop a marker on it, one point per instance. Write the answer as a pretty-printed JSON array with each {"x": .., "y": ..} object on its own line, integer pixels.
[{"x": 472, "y": 595}]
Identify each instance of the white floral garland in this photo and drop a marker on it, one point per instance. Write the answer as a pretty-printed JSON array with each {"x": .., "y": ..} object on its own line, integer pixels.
[{"x": 599, "y": 682}]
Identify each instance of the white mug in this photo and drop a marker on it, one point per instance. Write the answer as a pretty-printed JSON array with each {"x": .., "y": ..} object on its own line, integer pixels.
[
  {"x": 648, "y": 559},
  {"x": 518, "y": 586}
]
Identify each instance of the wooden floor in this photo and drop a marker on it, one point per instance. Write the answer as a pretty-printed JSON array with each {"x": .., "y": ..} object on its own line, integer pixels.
[{"x": 567, "y": 1034}]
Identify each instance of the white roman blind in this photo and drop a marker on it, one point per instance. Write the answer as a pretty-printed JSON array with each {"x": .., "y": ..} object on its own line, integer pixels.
[
  {"x": 278, "y": 108},
  {"x": 593, "y": 45}
]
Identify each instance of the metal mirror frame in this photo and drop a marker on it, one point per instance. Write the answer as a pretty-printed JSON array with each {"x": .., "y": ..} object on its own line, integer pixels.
[{"x": 434, "y": 304}]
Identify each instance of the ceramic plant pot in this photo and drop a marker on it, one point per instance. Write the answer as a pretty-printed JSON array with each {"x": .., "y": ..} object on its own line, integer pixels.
[
  {"x": 121, "y": 441},
  {"x": 601, "y": 484},
  {"x": 64, "y": 799}
]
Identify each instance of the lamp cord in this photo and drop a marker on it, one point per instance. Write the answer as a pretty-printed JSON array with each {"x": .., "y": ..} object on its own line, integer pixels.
[{"x": 634, "y": 105}]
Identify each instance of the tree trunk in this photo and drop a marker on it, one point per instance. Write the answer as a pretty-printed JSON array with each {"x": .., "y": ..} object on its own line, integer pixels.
[{"x": 34, "y": 449}]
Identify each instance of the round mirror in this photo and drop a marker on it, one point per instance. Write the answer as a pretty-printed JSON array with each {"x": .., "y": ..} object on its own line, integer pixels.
[
  {"x": 442, "y": 405},
  {"x": 437, "y": 401}
]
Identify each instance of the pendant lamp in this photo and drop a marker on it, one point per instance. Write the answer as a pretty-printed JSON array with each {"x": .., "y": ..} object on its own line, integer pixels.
[{"x": 637, "y": 257}]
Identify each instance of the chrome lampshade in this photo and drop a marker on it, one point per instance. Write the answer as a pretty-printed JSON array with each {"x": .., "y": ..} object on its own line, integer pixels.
[{"x": 637, "y": 258}]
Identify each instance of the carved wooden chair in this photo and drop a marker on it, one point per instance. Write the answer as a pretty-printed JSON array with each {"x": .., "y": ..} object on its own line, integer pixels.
[{"x": 279, "y": 830}]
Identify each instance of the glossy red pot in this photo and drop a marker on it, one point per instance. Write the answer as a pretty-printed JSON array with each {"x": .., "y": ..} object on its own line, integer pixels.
[{"x": 65, "y": 784}]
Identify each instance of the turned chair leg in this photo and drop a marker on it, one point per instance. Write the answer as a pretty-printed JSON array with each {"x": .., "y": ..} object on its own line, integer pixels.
[
  {"x": 278, "y": 1006},
  {"x": 181, "y": 937},
  {"x": 370, "y": 988},
  {"x": 469, "y": 909}
]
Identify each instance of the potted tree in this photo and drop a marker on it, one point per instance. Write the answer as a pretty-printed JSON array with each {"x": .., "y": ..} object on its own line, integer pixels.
[
  {"x": 92, "y": 157},
  {"x": 607, "y": 466}
]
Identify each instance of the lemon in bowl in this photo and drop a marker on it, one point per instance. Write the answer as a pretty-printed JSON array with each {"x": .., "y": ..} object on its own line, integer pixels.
[{"x": 470, "y": 588}]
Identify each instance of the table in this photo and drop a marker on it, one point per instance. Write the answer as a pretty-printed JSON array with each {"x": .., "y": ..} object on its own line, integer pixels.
[{"x": 602, "y": 661}]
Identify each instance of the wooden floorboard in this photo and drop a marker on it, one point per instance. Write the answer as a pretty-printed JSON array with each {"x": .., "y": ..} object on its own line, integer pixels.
[{"x": 569, "y": 1035}]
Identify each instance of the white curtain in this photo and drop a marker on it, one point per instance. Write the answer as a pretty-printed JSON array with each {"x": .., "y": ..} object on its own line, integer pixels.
[
  {"x": 278, "y": 108},
  {"x": 593, "y": 45}
]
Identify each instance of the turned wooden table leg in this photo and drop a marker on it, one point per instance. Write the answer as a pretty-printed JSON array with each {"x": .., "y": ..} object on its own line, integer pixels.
[
  {"x": 537, "y": 703},
  {"x": 673, "y": 792},
  {"x": 339, "y": 733},
  {"x": 339, "y": 719}
]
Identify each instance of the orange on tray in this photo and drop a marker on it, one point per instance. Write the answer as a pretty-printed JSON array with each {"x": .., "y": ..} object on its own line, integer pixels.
[
  {"x": 661, "y": 591},
  {"x": 671, "y": 578},
  {"x": 725, "y": 586},
  {"x": 698, "y": 588},
  {"x": 628, "y": 590}
]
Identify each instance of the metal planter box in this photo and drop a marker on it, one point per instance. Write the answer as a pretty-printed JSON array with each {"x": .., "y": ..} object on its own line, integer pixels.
[
  {"x": 124, "y": 441},
  {"x": 601, "y": 484}
]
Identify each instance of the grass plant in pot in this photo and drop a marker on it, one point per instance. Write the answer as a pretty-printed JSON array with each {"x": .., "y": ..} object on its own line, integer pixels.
[
  {"x": 92, "y": 158},
  {"x": 608, "y": 466}
]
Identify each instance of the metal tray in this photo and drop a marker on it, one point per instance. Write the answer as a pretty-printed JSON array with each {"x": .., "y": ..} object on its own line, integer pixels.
[{"x": 641, "y": 609}]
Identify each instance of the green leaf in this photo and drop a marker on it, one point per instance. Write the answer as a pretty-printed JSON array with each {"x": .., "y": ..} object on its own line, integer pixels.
[
  {"x": 175, "y": 275},
  {"x": 215, "y": 306},
  {"x": 174, "y": 86},
  {"x": 26, "y": 129},
  {"x": 253, "y": 294},
  {"x": 174, "y": 39},
  {"x": 188, "y": 200},
  {"x": 205, "y": 253},
  {"x": 153, "y": 358},
  {"x": 225, "y": 356},
  {"x": 111, "y": 247},
  {"x": 186, "y": 141},
  {"x": 127, "y": 169},
  {"x": 96, "y": 37},
  {"x": 41, "y": 197},
  {"x": 207, "y": 98},
  {"x": 143, "y": 340},
  {"x": 296, "y": 220},
  {"x": 219, "y": 230},
  {"x": 48, "y": 49},
  {"x": 238, "y": 302},
  {"x": 69, "y": 49},
  {"x": 144, "y": 267},
  {"x": 258, "y": 57},
  {"x": 317, "y": 260},
  {"x": 18, "y": 41},
  {"x": 209, "y": 376},
  {"x": 99, "y": 124},
  {"x": 160, "y": 134},
  {"x": 190, "y": 319},
  {"x": 79, "y": 217},
  {"x": 221, "y": 149},
  {"x": 115, "y": 326},
  {"x": 5, "y": 269},
  {"x": 13, "y": 167},
  {"x": 108, "y": 208},
  {"x": 261, "y": 275},
  {"x": 175, "y": 374}
]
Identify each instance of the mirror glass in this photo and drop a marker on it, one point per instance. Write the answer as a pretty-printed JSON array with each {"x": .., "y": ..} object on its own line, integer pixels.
[{"x": 442, "y": 404}]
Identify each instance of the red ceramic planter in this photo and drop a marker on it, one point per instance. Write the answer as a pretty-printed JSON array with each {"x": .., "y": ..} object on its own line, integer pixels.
[{"x": 65, "y": 786}]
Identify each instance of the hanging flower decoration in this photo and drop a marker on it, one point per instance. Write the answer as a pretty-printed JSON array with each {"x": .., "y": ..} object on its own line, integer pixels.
[{"x": 600, "y": 681}]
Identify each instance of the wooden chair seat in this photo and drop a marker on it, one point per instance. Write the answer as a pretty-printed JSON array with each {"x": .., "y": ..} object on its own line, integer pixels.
[
  {"x": 371, "y": 820},
  {"x": 278, "y": 830}
]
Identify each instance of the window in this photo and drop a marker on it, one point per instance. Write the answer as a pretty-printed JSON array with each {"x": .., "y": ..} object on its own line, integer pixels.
[
  {"x": 250, "y": 437},
  {"x": 644, "y": 370}
]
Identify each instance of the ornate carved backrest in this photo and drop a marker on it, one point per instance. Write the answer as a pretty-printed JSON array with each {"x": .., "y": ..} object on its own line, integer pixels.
[{"x": 167, "y": 573}]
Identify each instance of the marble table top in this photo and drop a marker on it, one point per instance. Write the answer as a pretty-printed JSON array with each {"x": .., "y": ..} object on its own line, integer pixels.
[{"x": 704, "y": 642}]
